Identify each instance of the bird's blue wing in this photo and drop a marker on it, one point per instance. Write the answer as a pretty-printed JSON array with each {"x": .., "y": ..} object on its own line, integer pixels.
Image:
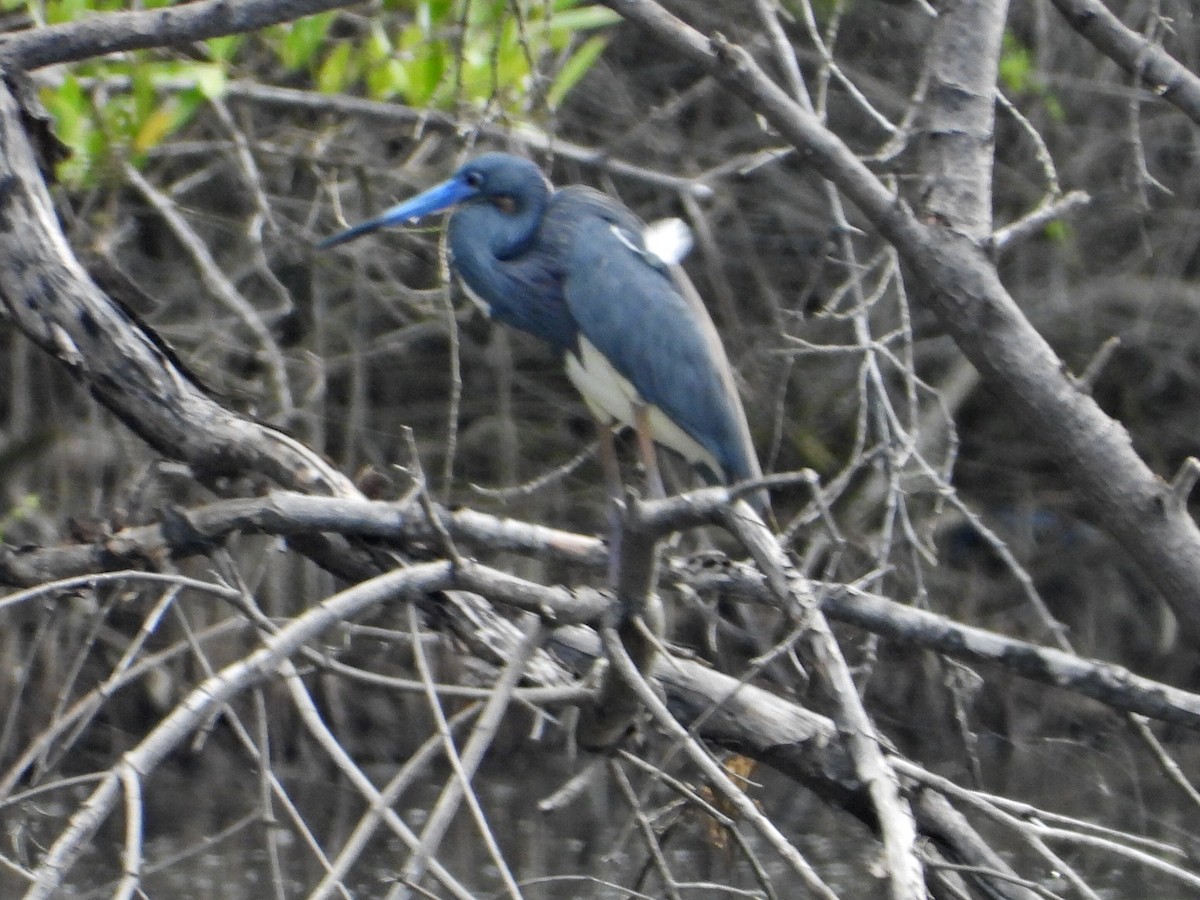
[{"x": 626, "y": 304}]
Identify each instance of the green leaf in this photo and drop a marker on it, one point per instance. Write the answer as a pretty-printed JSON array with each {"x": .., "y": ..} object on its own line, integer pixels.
[
  {"x": 27, "y": 506},
  {"x": 169, "y": 117},
  {"x": 145, "y": 96},
  {"x": 210, "y": 79},
  {"x": 574, "y": 69},
  {"x": 334, "y": 74},
  {"x": 303, "y": 38},
  {"x": 75, "y": 126},
  {"x": 64, "y": 11},
  {"x": 425, "y": 73},
  {"x": 441, "y": 12},
  {"x": 223, "y": 49},
  {"x": 1016, "y": 65},
  {"x": 585, "y": 18},
  {"x": 155, "y": 127},
  {"x": 1057, "y": 231},
  {"x": 379, "y": 45}
]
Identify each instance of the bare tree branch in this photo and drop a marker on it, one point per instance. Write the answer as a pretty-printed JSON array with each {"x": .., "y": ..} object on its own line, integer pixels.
[
  {"x": 956, "y": 126},
  {"x": 200, "y": 530},
  {"x": 213, "y": 693},
  {"x": 141, "y": 30},
  {"x": 397, "y": 114},
  {"x": 1164, "y": 75},
  {"x": 955, "y": 278},
  {"x": 46, "y": 293},
  {"x": 864, "y": 744}
]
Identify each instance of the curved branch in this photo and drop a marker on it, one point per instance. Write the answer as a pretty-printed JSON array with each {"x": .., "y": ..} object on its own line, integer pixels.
[
  {"x": 194, "y": 531},
  {"x": 213, "y": 693},
  {"x": 1164, "y": 75},
  {"x": 953, "y": 275},
  {"x": 141, "y": 30},
  {"x": 46, "y": 293},
  {"x": 804, "y": 746}
]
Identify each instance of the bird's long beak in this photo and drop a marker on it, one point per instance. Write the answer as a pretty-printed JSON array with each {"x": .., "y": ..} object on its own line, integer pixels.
[{"x": 436, "y": 199}]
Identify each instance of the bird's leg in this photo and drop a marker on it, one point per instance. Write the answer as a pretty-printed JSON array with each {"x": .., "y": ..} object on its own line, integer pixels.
[
  {"x": 645, "y": 439},
  {"x": 614, "y": 491},
  {"x": 608, "y": 461},
  {"x": 636, "y": 616}
]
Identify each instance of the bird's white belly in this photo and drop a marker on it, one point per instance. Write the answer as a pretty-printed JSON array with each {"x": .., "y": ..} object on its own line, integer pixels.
[{"x": 612, "y": 399}]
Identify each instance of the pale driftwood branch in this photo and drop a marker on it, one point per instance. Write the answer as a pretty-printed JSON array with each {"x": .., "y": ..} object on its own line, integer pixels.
[
  {"x": 1032, "y": 223},
  {"x": 214, "y": 692},
  {"x": 1037, "y": 827},
  {"x": 184, "y": 533},
  {"x": 381, "y": 801},
  {"x": 952, "y": 275},
  {"x": 90, "y": 703},
  {"x": 864, "y": 745},
  {"x": 1164, "y": 75},
  {"x": 956, "y": 125},
  {"x": 717, "y": 776},
  {"x": 1110, "y": 684},
  {"x": 196, "y": 531},
  {"x": 722, "y": 709},
  {"x": 466, "y": 763},
  {"x": 114, "y": 32},
  {"x": 47, "y": 294}
]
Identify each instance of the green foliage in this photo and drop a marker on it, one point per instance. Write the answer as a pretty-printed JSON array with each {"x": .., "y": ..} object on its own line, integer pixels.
[
  {"x": 444, "y": 53},
  {"x": 1019, "y": 76},
  {"x": 161, "y": 97},
  {"x": 426, "y": 53},
  {"x": 26, "y": 507},
  {"x": 1057, "y": 231}
]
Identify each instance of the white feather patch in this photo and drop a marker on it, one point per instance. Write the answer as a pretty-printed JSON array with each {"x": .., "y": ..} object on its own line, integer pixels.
[
  {"x": 475, "y": 298},
  {"x": 612, "y": 399},
  {"x": 669, "y": 239}
]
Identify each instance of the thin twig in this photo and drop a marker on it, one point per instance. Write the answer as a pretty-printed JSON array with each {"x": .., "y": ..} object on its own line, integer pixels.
[
  {"x": 465, "y": 764},
  {"x": 710, "y": 767}
]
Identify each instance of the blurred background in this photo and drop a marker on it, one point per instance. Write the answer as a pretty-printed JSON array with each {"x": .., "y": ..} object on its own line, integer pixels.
[{"x": 200, "y": 177}]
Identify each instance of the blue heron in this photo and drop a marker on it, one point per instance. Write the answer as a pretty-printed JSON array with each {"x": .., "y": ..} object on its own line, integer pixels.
[{"x": 571, "y": 267}]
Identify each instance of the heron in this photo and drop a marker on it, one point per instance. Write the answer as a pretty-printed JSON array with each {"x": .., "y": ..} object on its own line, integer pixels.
[{"x": 571, "y": 266}]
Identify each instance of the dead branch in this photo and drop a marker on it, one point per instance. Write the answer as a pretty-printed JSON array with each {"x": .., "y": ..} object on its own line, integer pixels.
[
  {"x": 953, "y": 276},
  {"x": 115, "y": 32},
  {"x": 198, "y": 531},
  {"x": 1164, "y": 75}
]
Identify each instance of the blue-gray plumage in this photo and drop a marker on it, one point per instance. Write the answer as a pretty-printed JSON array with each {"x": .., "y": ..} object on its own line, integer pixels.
[{"x": 571, "y": 267}]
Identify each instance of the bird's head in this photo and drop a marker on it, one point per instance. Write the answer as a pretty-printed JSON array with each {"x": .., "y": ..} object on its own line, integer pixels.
[{"x": 506, "y": 189}]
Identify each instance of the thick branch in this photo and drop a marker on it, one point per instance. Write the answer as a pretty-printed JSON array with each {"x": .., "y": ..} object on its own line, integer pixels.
[
  {"x": 958, "y": 116},
  {"x": 799, "y": 743},
  {"x": 1110, "y": 684},
  {"x": 1159, "y": 71},
  {"x": 195, "y": 531},
  {"x": 47, "y": 294},
  {"x": 955, "y": 278},
  {"x": 633, "y": 574},
  {"x": 173, "y": 25}
]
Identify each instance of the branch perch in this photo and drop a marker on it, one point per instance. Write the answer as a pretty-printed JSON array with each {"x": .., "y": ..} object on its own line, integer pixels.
[{"x": 954, "y": 277}]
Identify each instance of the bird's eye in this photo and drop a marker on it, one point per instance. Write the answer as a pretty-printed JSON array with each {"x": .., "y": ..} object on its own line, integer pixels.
[
  {"x": 504, "y": 203},
  {"x": 474, "y": 179}
]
